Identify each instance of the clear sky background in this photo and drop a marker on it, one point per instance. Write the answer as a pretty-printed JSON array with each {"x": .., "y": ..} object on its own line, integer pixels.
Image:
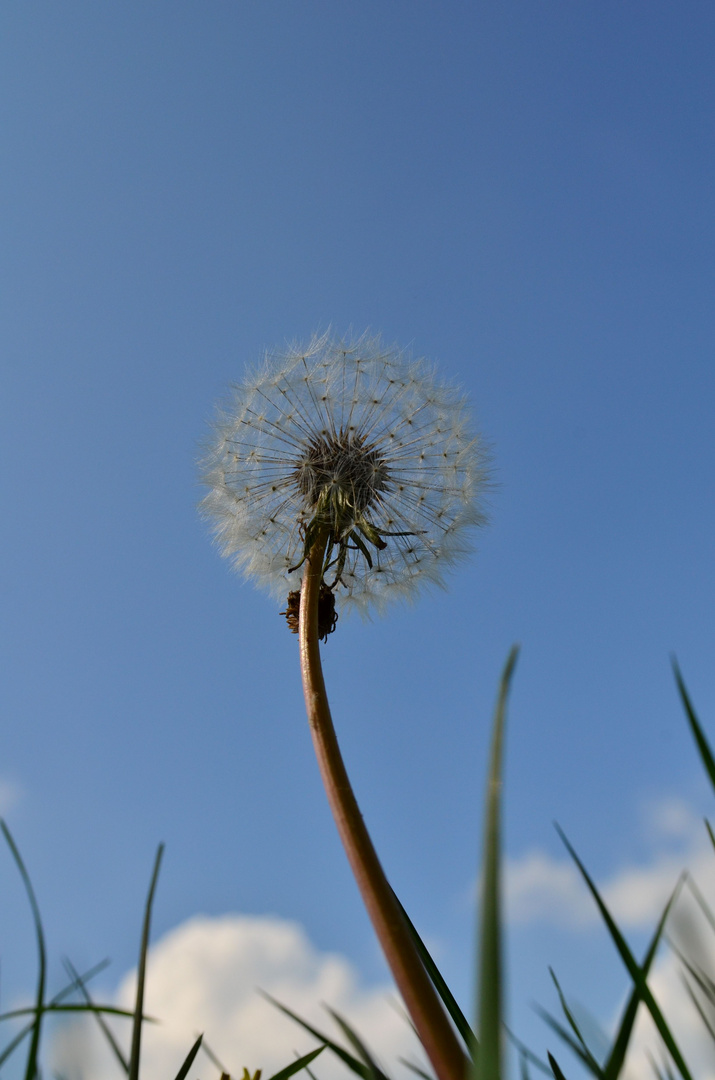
[{"x": 521, "y": 192}]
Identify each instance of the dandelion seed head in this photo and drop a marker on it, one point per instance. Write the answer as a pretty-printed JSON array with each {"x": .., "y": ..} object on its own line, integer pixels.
[{"x": 360, "y": 439}]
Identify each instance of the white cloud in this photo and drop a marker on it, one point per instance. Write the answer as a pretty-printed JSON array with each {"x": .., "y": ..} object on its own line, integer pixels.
[
  {"x": 541, "y": 888},
  {"x": 204, "y": 975}
]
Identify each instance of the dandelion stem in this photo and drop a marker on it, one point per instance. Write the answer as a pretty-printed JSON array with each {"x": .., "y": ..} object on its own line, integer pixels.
[{"x": 430, "y": 1020}]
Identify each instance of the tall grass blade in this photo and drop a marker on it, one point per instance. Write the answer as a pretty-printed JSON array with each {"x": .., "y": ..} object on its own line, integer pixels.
[
  {"x": 415, "y": 1069},
  {"x": 489, "y": 1058},
  {"x": 526, "y": 1054},
  {"x": 104, "y": 1026},
  {"x": 359, "y": 1046},
  {"x": 703, "y": 746},
  {"x": 699, "y": 898},
  {"x": 555, "y": 1068},
  {"x": 352, "y": 1062},
  {"x": 697, "y": 1006},
  {"x": 448, "y": 1000},
  {"x": 189, "y": 1060},
  {"x": 295, "y": 1066},
  {"x": 634, "y": 969},
  {"x": 573, "y": 1044},
  {"x": 141, "y": 972},
  {"x": 18, "y": 1038},
  {"x": 571, "y": 1020},
  {"x": 31, "y": 1069},
  {"x": 614, "y": 1062}
]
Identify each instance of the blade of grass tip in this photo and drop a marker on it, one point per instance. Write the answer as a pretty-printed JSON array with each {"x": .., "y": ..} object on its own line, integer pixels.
[
  {"x": 31, "y": 1068},
  {"x": 590, "y": 1060},
  {"x": 633, "y": 967},
  {"x": 524, "y": 1052},
  {"x": 213, "y": 1059},
  {"x": 708, "y": 826},
  {"x": 703, "y": 746},
  {"x": 415, "y": 1069},
  {"x": 566, "y": 1037},
  {"x": 448, "y": 1000},
  {"x": 571, "y": 1020},
  {"x": 189, "y": 1060},
  {"x": 555, "y": 1068},
  {"x": 141, "y": 972},
  {"x": 614, "y": 1062},
  {"x": 339, "y": 1051},
  {"x": 356, "y": 1042},
  {"x": 296, "y": 1066},
  {"x": 488, "y": 1064},
  {"x": 104, "y": 1026}
]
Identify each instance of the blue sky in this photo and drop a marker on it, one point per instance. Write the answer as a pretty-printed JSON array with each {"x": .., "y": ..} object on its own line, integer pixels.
[{"x": 522, "y": 193}]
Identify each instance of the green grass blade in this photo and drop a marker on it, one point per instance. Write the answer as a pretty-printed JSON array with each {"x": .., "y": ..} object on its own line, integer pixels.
[
  {"x": 702, "y": 744},
  {"x": 448, "y": 1000},
  {"x": 698, "y": 1007},
  {"x": 699, "y": 898},
  {"x": 633, "y": 967},
  {"x": 296, "y": 1066},
  {"x": 74, "y": 1007},
  {"x": 571, "y": 1020},
  {"x": 527, "y": 1054},
  {"x": 415, "y": 1069},
  {"x": 573, "y": 1044},
  {"x": 31, "y": 1069},
  {"x": 104, "y": 1026},
  {"x": 352, "y": 1062},
  {"x": 359, "y": 1046},
  {"x": 489, "y": 1059},
  {"x": 141, "y": 972},
  {"x": 17, "y": 1039},
  {"x": 614, "y": 1062},
  {"x": 189, "y": 1060},
  {"x": 555, "y": 1068}
]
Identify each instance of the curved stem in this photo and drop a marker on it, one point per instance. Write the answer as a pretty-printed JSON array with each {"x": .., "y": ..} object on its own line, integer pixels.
[{"x": 433, "y": 1027}]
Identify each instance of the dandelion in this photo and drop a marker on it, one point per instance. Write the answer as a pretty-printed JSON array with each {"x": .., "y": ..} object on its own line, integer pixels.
[
  {"x": 356, "y": 439},
  {"x": 347, "y": 472}
]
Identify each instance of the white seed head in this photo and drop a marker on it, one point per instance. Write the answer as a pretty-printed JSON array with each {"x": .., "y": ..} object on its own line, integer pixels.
[{"x": 356, "y": 438}]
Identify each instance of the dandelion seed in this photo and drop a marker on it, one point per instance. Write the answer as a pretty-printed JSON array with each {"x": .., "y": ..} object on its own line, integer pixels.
[{"x": 351, "y": 438}]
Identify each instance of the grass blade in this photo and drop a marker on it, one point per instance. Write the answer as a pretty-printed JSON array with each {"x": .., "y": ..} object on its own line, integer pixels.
[
  {"x": 357, "y": 1043},
  {"x": 448, "y": 1000},
  {"x": 104, "y": 1026},
  {"x": 703, "y": 746},
  {"x": 31, "y": 1069},
  {"x": 489, "y": 1059},
  {"x": 141, "y": 972},
  {"x": 633, "y": 968},
  {"x": 573, "y": 1044},
  {"x": 614, "y": 1063},
  {"x": 555, "y": 1068},
  {"x": 189, "y": 1060},
  {"x": 339, "y": 1051},
  {"x": 571, "y": 1020},
  {"x": 296, "y": 1066},
  {"x": 17, "y": 1039}
]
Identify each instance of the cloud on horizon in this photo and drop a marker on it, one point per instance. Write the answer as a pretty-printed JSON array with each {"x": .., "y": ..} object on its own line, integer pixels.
[
  {"x": 205, "y": 975},
  {"x": 540, "y": 888}
]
